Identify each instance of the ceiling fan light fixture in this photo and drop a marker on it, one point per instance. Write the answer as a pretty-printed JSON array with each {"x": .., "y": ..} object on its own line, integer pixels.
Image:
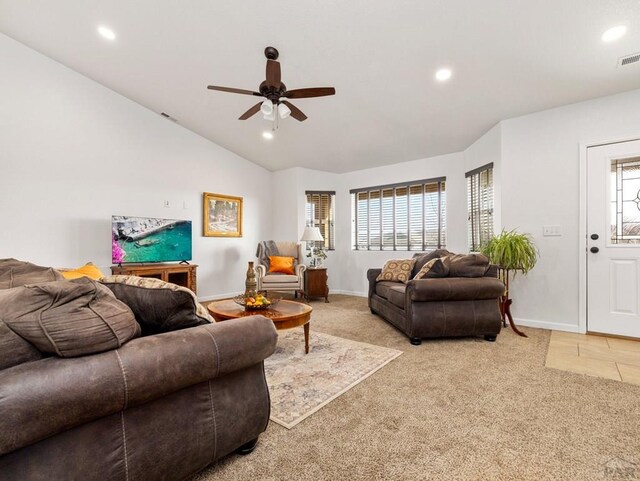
[
  {"x": 270, "y": 117},
  {"x": 283, "y": 111},
  {"x": 267, "y": 107}
]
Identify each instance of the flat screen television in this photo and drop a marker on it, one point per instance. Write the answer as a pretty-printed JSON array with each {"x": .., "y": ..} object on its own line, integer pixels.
[{"x": 147, "y": 239}]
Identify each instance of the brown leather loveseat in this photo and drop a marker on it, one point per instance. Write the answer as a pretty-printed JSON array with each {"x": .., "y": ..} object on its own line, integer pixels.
[
  {"x": 459, "y": 299},
  {"x": 157, "y": 407}
]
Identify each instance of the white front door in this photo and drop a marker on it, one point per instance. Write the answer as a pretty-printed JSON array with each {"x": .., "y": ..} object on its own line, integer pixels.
[{"x": 613, "y": 239}]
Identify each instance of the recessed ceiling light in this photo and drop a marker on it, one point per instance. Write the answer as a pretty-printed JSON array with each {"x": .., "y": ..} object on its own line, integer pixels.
[
  {"x": 614, "y": 33},
  {"x": 106, "y": 32},
  {"x": 443, "y": 74},
  {"x": 267, "y": 135}
]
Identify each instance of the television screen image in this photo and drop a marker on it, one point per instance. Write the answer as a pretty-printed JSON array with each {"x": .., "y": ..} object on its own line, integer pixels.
[{"x": 147, "y": 239}]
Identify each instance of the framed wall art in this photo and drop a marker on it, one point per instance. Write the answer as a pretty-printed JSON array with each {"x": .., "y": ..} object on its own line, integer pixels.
[{"x": 222, "y": 215}]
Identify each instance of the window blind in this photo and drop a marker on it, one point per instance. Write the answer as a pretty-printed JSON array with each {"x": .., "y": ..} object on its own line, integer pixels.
[
  {"x": 406, "y": 216},
  {"x": 480, "y": 205},
  {"x": 320, "y": 212}
]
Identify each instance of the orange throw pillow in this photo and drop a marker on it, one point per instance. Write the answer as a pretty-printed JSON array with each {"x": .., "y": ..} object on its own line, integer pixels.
[
  {"x": 89, "y": 270},
  {"x": 281, "y": 264}
]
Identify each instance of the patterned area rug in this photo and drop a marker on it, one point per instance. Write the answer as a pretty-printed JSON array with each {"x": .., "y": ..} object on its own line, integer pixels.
[{"x": 300, "y": 384}]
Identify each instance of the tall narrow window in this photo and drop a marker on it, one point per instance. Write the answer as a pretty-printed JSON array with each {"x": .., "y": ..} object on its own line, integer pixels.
[
  {"x": 320, "y": 212},
  {"x": 480, "y": 202},
  {"x": 407, "y": 216}
]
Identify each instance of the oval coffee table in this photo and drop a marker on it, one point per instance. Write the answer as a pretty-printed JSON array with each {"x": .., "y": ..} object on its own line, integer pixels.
[{"x": 285, "y": 315}]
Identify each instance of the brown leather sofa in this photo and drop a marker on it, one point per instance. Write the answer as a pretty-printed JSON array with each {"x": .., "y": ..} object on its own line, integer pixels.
[
  {"x": 464, "y": 305},
  {"x": 160, "y": 407}
]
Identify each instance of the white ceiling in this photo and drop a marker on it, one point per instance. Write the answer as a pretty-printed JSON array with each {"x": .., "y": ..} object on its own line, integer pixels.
[{"x": 509, "y": 57}]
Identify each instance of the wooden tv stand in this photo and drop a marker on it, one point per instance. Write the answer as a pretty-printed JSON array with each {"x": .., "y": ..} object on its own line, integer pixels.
[{"x": 180, "y": 274}]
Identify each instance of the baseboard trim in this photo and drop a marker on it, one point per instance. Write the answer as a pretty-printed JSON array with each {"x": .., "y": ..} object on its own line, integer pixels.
[
  {"x": 218, "y": 297},
  {"x": 552, "y": 326},
  {"x": 348, "y": 293}
]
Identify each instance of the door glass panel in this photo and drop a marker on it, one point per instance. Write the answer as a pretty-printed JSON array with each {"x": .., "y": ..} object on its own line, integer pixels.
[{"x": 625, "y": 201}]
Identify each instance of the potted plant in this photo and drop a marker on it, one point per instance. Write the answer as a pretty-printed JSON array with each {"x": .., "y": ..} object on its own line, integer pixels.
[{"x": 511, "y": 251}]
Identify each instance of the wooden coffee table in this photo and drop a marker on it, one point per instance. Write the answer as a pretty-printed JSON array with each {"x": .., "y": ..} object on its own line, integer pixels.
[{"x": 285, "y": 315}]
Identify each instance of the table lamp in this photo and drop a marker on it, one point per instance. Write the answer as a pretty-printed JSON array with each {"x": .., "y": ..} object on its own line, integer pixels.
[{"x": 312, "y": 234}]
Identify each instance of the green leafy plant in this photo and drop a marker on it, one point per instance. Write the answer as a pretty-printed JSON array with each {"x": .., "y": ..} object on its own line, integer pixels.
[{"x": 511, "y": 251}]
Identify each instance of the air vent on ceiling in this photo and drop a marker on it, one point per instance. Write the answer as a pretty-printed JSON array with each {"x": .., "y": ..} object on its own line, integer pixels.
[
  {"x": 167, "y": 116},
  {"x": 627, "y": 59}
]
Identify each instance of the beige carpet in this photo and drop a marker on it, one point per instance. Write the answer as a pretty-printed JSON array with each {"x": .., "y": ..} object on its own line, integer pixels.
[
  {"x": 300, "y": 384},
  {"x": 459, "y": 409}
]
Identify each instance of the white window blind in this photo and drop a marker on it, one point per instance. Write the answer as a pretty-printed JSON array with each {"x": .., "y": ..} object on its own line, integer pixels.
[
  {"x": 407, "y": 216},
  {"x": 480, "y": 204},
  {"x": 320, "y": 212}
]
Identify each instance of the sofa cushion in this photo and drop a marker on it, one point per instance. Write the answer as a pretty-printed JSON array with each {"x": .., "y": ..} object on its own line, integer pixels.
[
  {"x": 14, "y": 350},
  {"x": 158, "y": 306},
  {"x": 68, "y": 317},
  {"x": 472, "y": 265},
  {"x": 395, "y": 295},
  {"x": 397, "y": 270},
  {"x": 279, "y": 278},
  {"x": 15, "y": 273},
  {"x": 422, "y": 259}
]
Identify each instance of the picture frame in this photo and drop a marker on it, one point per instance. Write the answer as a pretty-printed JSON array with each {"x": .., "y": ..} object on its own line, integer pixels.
[{"x": 222, "y": 215}]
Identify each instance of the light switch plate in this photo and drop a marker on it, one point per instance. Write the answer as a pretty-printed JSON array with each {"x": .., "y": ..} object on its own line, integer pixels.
[{"x": 551, "y": 230}]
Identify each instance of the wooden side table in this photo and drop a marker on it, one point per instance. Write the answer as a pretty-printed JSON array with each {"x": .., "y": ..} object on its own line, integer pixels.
[{"x": 315, "y": 283}]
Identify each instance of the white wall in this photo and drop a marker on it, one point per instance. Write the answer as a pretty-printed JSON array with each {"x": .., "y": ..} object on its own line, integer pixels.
[
  {"x": 540, "y": 186},
  {"x": 73, "y": 152}
]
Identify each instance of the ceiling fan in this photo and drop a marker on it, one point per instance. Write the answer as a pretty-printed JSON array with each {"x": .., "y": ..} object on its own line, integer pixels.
[{"x": 276, "y": 94}]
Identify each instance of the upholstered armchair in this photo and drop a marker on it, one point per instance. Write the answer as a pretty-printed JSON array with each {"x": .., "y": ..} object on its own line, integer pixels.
[{"x": 277, "y": 281}]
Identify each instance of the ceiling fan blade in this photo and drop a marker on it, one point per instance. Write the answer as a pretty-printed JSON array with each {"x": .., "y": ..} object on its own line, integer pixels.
[
  {"x": 307, "y": 93},
  {"x": 251, "y": 112},
  {"x": 296, "y": 113},
  {"x": 273, "y": 74},
  {"x": 234, "y": 91}
]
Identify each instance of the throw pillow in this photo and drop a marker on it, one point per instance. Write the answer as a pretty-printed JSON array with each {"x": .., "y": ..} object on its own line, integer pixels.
[
  {"x": 68, "y": 318},
  {"x": 424, "y": 270},
  {"x": 422, "y": 259},
  {"x": 15, "y": 273},
  {"x": 282, "y": 264},
  {"x": 158, "y": 306},
  {"x": 440, "y": 268},
  {"x": 89, "y": 270},
  {"x": 472, "y": 265},
  {"x": 397, "y": 270}
]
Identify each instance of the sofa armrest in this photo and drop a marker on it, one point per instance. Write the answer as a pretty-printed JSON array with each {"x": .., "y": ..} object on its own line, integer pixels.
[
  {"x": 65, "y": 393},
  {"x": 372, "y": 275},
  {"x": 492, "y": 271},
  {"x": 454, "y": 289},
  {"x": 261, "y": 271},
  {"x": 300, "y": 268}
]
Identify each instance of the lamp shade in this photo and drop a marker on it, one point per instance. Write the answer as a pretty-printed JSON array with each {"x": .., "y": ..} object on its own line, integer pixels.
[
  {"x": 311, "y": 234},
  {"x": 283, "y": 111},
  {"x": 267, "y": 107}
]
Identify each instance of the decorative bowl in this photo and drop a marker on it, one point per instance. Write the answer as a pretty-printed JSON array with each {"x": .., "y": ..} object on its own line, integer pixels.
[{"x": 257, "y": 303}]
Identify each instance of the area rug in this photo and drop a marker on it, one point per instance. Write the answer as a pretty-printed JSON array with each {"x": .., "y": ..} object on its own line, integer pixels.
[{"x": 300, "y": 384}]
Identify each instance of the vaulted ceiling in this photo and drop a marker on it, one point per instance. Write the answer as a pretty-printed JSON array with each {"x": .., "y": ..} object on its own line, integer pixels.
[{"x": 508, "y": 58}]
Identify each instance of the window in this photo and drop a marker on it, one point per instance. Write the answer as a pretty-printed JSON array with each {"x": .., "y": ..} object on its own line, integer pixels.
[
  {"x": 480, "y": 203},
  {"x": 625, "y": 201},
  {"x": 320, "y": 212},
  {"x": 399, "y": 217}
]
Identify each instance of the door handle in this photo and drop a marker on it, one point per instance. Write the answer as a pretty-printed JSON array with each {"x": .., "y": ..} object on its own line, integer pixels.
[
  {"x": 595, "y": 236},
  {"x": 594, "y": 250}
]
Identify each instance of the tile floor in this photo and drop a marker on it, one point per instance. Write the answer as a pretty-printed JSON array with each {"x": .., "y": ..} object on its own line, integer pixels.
[{"x": 598, "y": 356}]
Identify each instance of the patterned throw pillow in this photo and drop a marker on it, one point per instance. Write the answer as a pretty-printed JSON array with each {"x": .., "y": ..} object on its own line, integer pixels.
[
  {"x": 422, "y": 273},
  {"x": 397, "y": 270}
]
